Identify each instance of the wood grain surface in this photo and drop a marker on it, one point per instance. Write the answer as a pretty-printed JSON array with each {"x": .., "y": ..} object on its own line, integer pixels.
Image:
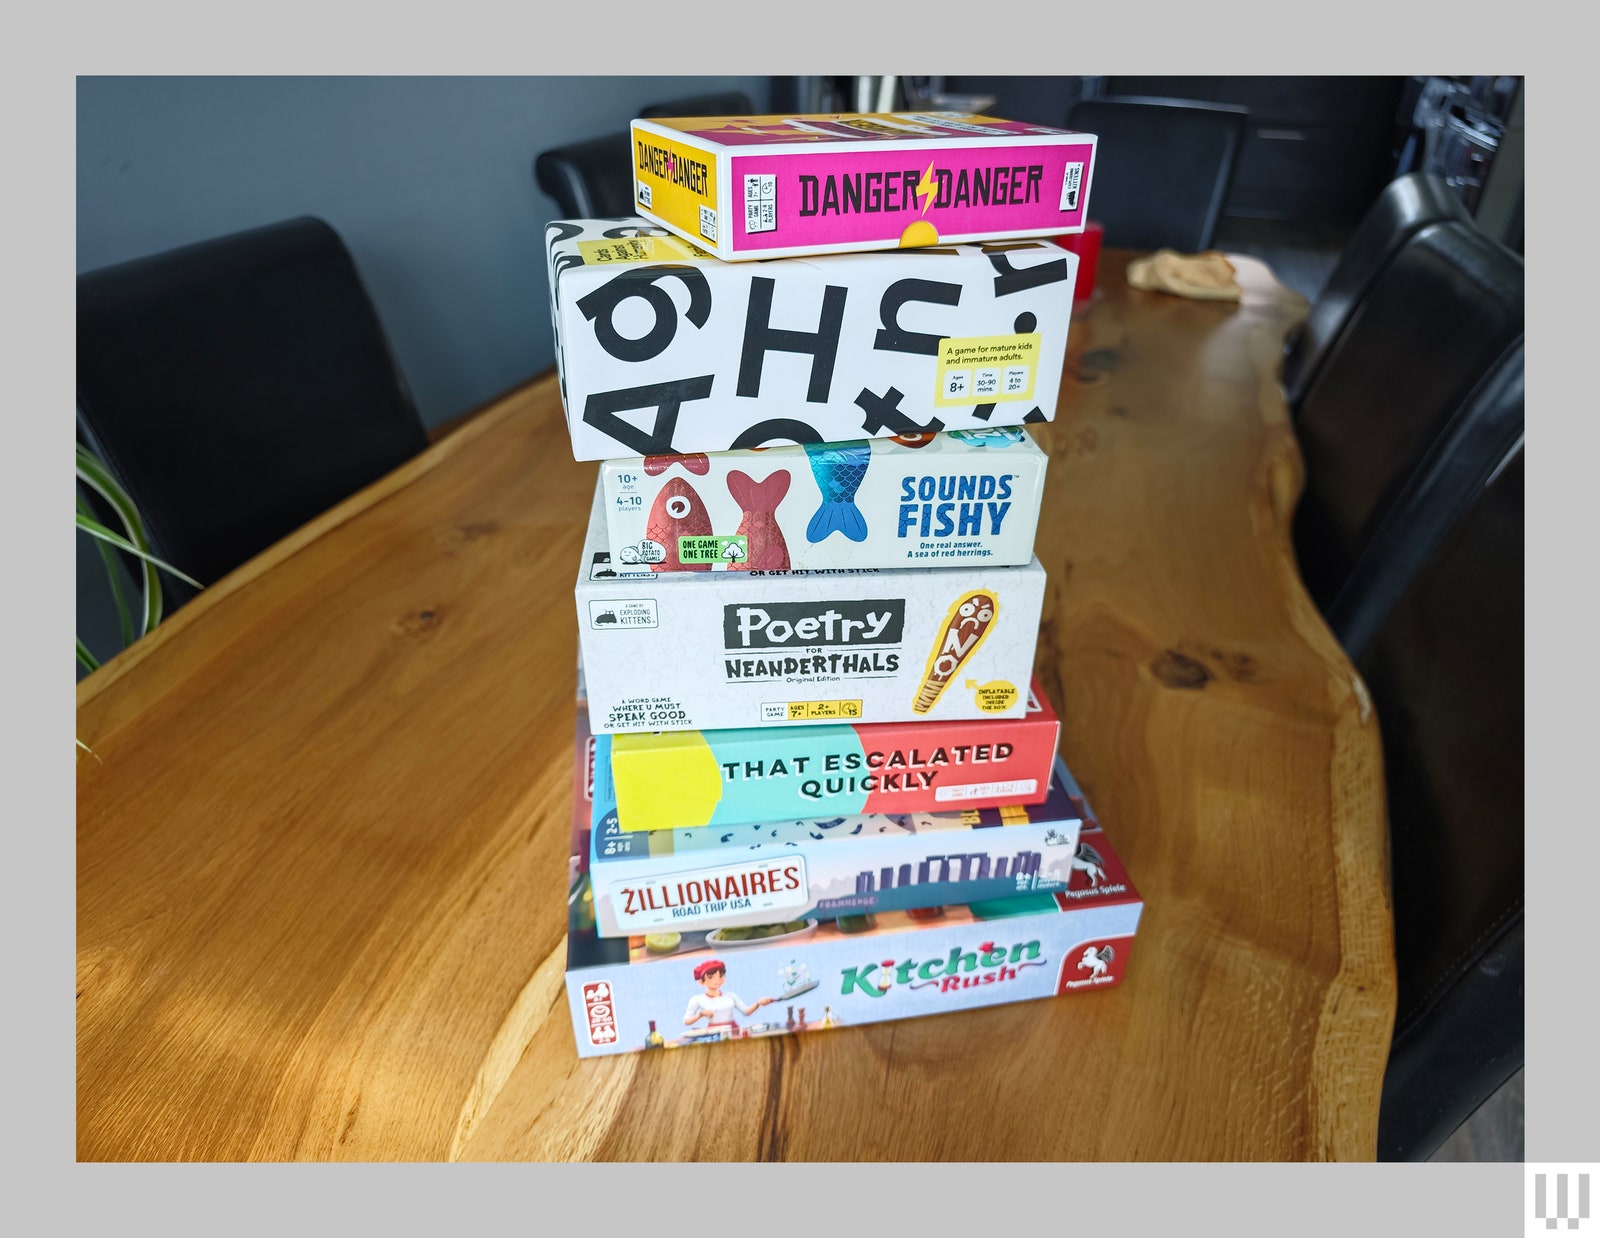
[{"x": 322, "y": 846}]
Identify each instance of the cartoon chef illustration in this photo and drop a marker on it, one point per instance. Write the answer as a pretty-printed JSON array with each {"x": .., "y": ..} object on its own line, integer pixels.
[{"x": 715, "y": 1006}]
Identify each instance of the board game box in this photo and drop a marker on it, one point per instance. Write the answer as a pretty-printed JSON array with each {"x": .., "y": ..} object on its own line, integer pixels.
[
  {"x": 665, "y": 780},
  {"x": 783, "y": 186},
  {"x": 670, "y": 987},
  {"x": 711, "y": 650},
  {"x": 926, "y": 500},
  {"x": 663, "y": 350}
]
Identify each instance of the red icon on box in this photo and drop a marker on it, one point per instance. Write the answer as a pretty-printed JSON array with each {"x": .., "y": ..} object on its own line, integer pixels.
[{"x": 602, "y": 1017}]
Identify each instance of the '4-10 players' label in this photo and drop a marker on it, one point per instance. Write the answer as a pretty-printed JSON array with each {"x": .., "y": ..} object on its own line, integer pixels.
[{"x": 986, "y": 369}]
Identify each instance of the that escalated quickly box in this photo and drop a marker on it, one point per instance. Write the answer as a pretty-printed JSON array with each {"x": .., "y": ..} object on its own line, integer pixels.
[
  {"x": 671, "y": 987},
  {"x": 664, "y": 350},
  {"x": 703, "y": 650},
  {"x": 668, "y": 780},
  {"x": 927, "y": 500},
  {"x": 785, "y": 186}
]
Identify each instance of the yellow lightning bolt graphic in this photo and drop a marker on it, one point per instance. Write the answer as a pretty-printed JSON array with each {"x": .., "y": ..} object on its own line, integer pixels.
[{"x": 925, "y": 188}]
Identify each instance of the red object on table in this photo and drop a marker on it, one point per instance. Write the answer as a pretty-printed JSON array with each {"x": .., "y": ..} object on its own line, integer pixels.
[{"x": 1086, "y": 245}]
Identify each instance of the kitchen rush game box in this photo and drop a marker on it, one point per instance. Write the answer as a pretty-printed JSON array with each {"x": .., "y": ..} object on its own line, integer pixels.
[
  {"x": 785, "y": 186},
  {"x": 925, "y": 500},
  {"x": 664, "y": 350},
  {"x": 665, "y": 780},
  {"x": 710, "y": 650},
  {"x": 668, "y": 987}
]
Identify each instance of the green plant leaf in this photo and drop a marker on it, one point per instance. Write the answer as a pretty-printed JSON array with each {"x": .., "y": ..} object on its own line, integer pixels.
[
  {"x": 113, "y": 566},
  {"x": 86, "y": 659},
  {"x": 94, "y": 528},
  {"x": 88, "y": 749},
  {"x": 95, "y": 475}
]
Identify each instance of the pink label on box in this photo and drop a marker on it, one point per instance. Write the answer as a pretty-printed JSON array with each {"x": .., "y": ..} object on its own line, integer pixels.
[{"x": 867, "y": 195}]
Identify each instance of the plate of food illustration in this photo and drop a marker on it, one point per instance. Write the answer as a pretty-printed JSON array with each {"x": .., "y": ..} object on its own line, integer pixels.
[{"x": 761, "y": 934}]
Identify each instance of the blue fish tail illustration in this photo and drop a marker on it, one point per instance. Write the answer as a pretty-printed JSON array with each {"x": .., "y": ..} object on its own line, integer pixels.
[
  {"x": 839, "y": 469},
  {"x": 832, "y": 518}
]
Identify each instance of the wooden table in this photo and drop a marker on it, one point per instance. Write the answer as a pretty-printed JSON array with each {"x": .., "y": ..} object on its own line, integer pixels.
[{"x": 322, "y": 854}]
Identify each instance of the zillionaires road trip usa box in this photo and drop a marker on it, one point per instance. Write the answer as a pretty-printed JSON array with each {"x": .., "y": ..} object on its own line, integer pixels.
[
  {"x": 667, "y": 780},
  {"x": 785, "y": 186},
  {"x": 927, "y": 500},
  {"x": 703, "y": 650},
  {"x": 668, "y": 987},
  {"x": 663, "y": 350}
]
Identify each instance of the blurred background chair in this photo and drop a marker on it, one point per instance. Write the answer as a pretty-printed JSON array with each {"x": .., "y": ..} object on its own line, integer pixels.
[
  {"x": 730, "y": 103},
  {"x": 1445, "y": 671},
  {"x": 1407, "y": 205},
  {"x": 1390, "y": 426},
  {"x": 593, "y": 179},
  {"x": 1162, "y": 170},
  {"x": 589, "y": 180},
  {"x": 238, "y": 388}
]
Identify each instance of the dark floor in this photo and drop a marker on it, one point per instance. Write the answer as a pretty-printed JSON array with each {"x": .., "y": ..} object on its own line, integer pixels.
[
  {"x": 1493, "y": 1133},
  {"x": 1301, "y": 255}
]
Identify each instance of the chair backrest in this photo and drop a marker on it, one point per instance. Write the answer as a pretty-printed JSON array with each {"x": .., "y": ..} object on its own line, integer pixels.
[
  {"x": 1470, "y": 447},
  {"x": 238, "y": 388},
  {"x": 1162, "y": 168},
  {"x": 591, "y": 179},
  {"x": 1445, "y": 672},
  {"x": 1443, "y": 314},
  {"x": 731, "y": 103},
  {"x": 1406, "y": 206}
]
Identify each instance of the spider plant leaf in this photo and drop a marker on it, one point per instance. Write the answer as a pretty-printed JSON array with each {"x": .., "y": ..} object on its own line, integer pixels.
[
  {"x": 95, "y": 475},
  {"x": 87, "y": 749},
  {"x": 86, "y": 659},
  {"x": 113, "y": 566},
  {"x": 94, "y": 528}
]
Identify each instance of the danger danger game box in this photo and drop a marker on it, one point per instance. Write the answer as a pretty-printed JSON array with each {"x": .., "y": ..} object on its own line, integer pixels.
[
  {"x": 666, "y": 987},
  {"x": 784, "y": 186},
  {"x": 712, "y": 650},
  {"x": 664, "y": 350}
]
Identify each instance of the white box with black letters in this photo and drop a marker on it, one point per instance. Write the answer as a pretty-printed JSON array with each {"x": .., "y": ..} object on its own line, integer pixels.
[
  {"x": 680, "y": 650},
  {"x": 665, "y": 350}
]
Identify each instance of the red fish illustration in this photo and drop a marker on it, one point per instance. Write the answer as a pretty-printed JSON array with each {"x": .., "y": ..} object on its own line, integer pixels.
[
  {"x": 677, "y": 512},
  {"x": 768, "y": 552},
  {"x": 694, "y": 462}
]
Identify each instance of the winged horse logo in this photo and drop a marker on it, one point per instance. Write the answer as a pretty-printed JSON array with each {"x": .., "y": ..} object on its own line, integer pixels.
[
  {"x": 1095, "y": 962},
  {"x": 1087, "y": 860}
]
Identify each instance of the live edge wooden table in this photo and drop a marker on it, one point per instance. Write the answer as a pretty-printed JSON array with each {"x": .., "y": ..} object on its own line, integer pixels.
[{"x": 322, "y": 846}]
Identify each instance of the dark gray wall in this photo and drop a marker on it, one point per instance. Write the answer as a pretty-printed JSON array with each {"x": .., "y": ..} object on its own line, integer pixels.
[{"x": 429, "y": 181}]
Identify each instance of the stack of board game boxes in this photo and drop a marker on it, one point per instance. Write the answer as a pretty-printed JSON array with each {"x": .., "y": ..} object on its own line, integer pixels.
[{"x": 815, "y": 782}]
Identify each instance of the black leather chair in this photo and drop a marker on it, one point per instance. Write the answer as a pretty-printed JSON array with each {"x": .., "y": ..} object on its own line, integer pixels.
[
  {"x": 1469, "y": 448},
  {"x": 238, "y": 388},
  {"x": 1392, "y": 440},
  {"x": 1406, "y": 206},
  {"x": 1445, "y": 671},
  {"x": 731, "y": 103},
  {"x": 591, "y": 179},
  {"x": 1162, "y": 168}
]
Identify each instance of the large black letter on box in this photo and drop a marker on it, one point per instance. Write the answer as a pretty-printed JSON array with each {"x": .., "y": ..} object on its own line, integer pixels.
[
  {"x": 1010, "y": 280},
  {"x": 894, "y": 337},
  {"x": 600, "y": 305},
  {"x": 761, "y": 337},
  {"x": 601, "y": 410}
]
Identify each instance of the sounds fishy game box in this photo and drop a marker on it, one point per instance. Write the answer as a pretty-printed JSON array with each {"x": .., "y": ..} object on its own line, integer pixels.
[
  {"x": 702, "y": 650},
  {"x": 783, "y": 186},
  {"x": 927, "y": 500},
  {"x": 670, "y": 987},
  {"x": 666, "y": 780},
  {"x": 664, "y": 350}
]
